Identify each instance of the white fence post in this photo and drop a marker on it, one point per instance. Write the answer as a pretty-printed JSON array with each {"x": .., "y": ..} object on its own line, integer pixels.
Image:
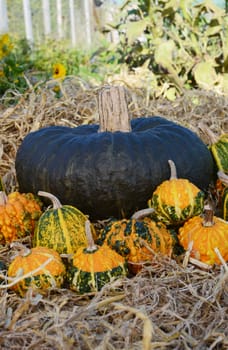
[
  {"x": 59, "y": 18},
  {"x": 3, "y": 17},
  {"x": 72, "y": 22},
  {"x": 87, "y": 21},
  {"x": 46, "y": 17},
  {"x": 28, "y": 21}
]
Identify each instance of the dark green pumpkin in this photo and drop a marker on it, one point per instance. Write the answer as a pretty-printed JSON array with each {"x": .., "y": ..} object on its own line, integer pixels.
[{"x": 106, "y": 173}]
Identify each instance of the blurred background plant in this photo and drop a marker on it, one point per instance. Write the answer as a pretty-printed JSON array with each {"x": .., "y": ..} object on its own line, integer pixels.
[
  {"x": 163, "y": 46},
  {"x": 178, "y": 44}
]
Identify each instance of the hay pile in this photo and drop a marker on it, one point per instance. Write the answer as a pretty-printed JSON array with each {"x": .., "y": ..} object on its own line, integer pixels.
[{"x": 168, "y": 305}]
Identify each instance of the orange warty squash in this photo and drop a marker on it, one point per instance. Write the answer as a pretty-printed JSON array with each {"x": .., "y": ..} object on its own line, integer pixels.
[
  {"x": 29, "y": 262},
  {"x": 18, "y": 215},
  {"x": 206, "y": 233}
]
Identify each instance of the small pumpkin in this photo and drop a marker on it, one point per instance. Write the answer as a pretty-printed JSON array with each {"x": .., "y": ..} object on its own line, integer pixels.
[
  {"x": 177, "y": 199},
  {"x": 94, "y": 266},
  {"x": 205, "y": 232},
  {"x": 42, "y": 268},
  {"x": 61, "y": 227},
  {"x": 110, "y": 169},
  {"x": 18, "y": 214},
  {"x": 137, "y": 239}
]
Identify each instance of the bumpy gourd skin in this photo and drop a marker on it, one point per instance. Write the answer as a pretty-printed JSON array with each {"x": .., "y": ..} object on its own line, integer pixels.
[
  {"x": 18, "y": 216},
  {"x": 110, "y": 174},
  {"x": 177, "y": 200},
  {"x": 219, "y": 151},
  {"x": 91, "y": 270},
  {"x": 61, "y": 229},
  {"x": 137, "y": 240},
  {"x": 205, "y": 239},
  {"x": 51, "y": 275}
]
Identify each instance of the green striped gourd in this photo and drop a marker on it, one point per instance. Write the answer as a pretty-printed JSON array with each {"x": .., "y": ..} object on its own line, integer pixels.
[
  {"x": 225, "y": 204},
  {"x": 61, "y": 227},
  {"x": 224, "y": 180},
  {"x": 218, "y": 146},
  {"x": 176, "y": 200},
  {"x": 92, "y": 267}
]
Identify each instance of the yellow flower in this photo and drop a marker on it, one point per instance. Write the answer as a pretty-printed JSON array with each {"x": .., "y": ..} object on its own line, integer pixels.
[
  {"x": 59, "y": 71},
  {"x": 1, "y": 73},
  {"x": 5, "y": 45}
]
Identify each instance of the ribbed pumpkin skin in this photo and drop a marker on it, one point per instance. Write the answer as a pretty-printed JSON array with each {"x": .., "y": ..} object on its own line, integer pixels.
[
  {"x": 205, "y": 239},
  {"x": 52, "y": 274},
  {"x": 90, "y": 271},
  {"x": 61, "y": 229},
  {"x": 18, "y": 216},
  {"x": 177, "y": 200},
  {"x": 137, "y": 240},
  {"x": 108, "y": 174},
  {"x": 219, "y": 151}
]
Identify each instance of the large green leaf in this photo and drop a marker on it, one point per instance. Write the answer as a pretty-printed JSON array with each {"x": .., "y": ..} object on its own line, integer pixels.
[
  {"x": 164, "y": 53},
  {"x": 205, "y": 74},
  {"x": 134, "y": 30}
]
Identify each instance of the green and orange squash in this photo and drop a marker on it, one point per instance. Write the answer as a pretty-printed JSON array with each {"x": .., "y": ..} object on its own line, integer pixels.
[
  {"x": 137, "y": 239},
  {"x": 41, "y": 267},
  {"x": 177, "y": 199},
  {"x": 94, "y": 266},
  {"x": 60, "y": 227}
]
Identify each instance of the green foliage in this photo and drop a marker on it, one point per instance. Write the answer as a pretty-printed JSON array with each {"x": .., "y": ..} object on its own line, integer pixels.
[
  {"x": 23, "y": 66},
  {"x": 166, "y": 46},
  {"x": 13, "y": 64},
  {"x": 183, "y": 43}
]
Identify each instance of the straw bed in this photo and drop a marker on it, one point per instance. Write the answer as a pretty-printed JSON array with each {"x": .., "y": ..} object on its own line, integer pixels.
[{"x": 168, "y": 305}]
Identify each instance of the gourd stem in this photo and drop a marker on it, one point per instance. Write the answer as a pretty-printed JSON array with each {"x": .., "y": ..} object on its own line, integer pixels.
[
  {"x": 3, "y": 198},
  {"x": 91, "y": 245},
  {"x": 140, "y": 214},
  {"x": 113, "y": 110},
  {"x": 223, "y": 177},
  {"x": 55, "y": 202},
  {"x": 208, "y": 216},
  {"x": 173, "y": 169},
  {"x": 22, "y": 250},
  {"x": 212, "y": 137}
]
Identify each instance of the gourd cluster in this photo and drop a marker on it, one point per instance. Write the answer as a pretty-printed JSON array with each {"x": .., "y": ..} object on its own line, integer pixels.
[
  {"x": 176, "y": 217},
  {"x": 148, "y": 211}
]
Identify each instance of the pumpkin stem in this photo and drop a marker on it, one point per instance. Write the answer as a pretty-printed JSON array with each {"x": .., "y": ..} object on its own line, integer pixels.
[
  {"x": 91, "y": 245},
  {"x": 208, "y": 216},
  {"x": 173, "y": 169},
  {"x": 113, "y": 110},
  {"x": 55, "y": 202},
  {"x": 3, "y": 198}
]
